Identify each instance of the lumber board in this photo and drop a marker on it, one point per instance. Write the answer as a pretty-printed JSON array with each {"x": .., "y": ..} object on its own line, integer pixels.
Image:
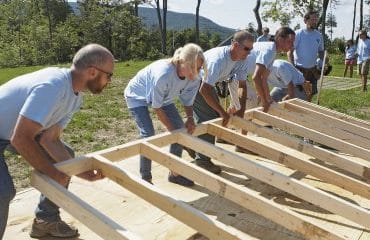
[
  {"x": 313, "y": 135},
  {"x": 245, "y": 197},
  {"x": 312, "y": 123},
  {"x": 330, "y": 112},
  {"x": 287, "y": 157},
  {"x": 299, "y": 189},
  {"x": 192, "y": 217},
  {"x": 96, "y": 221},
  {"x": 326, "y": 119},
  {"x": 355, "y": 167}
]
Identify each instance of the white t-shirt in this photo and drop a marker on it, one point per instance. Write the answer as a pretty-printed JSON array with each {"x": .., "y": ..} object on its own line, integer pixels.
[
  {"x": 363, "y": 50},
  {"x": 282, "y": 73}
]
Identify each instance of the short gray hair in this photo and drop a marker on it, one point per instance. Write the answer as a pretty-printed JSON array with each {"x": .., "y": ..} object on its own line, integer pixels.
[
  {"x": 91, "y": 55},
  {"x": 243, "y": 35}
]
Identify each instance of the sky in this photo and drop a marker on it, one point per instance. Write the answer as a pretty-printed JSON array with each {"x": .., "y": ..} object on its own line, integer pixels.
[{"x": 238, "y": 13}]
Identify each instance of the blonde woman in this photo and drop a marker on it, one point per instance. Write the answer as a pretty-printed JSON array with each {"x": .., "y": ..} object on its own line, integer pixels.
[{"x": 157, "y": 86}]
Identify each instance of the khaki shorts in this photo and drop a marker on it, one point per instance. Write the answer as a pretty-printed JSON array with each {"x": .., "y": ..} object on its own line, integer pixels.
[{"x": 363, "y": 68}]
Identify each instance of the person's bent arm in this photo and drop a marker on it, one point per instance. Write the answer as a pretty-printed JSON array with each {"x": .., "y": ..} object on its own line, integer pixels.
[
  {"x": 290, "y": 94},
  {"x": 23, "y": 139},
  {"x": 206, "y": 91},
  {"x": 242, "y": 98},
  {"x": 189, "y": 123},
  {"x": 50, "y": 141},
  {"x": 162, "y": 116},
  {"x": 260, "y": 80}
]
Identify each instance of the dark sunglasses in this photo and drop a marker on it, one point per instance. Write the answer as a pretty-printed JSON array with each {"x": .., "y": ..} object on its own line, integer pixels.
[
  {"x": 109, "y": 75},
  {"x": 247, "y": 49}
]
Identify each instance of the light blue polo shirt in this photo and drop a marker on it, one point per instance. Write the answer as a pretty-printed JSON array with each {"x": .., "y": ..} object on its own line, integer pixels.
[
  {"x": 307, "y": 45},
  {"x": 220, "y": 66},
  {"x": 282, "y": 73},
  {"x": 45, "y": 96},
  {"x": 363, "y": 50},
  {"x": 158, "y": 85}
]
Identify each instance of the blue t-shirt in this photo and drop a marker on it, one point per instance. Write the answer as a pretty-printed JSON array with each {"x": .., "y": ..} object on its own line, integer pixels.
[
  {"x": 220, "y": 66},
  {"x": 158, "y": 85},
  {"x": 363, "y": 50},
  {"x": 282, "y": 73},
  {"x": 307, "y": 45},
  {"x": 45, "y": 96},
  {"x": 263, "y": 38},
  {"x": 351, "y": 52}
]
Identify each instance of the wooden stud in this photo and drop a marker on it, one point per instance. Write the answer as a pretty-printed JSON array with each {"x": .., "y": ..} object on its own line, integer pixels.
[
  {"x": 192, "y": 217},
  {"x": 317, "y": 125},
  {"x": 340, "y": 161},
  {"x": 243, "y": 196},
  {"x": 324, "y": 119},
  {"x": 96, "y": 221},
  {"x": 302, "y": 190},
  {"x": 287, "y": 157},
  {"x": 330, "y": 112},
  {"x": 313, "y": 135}
]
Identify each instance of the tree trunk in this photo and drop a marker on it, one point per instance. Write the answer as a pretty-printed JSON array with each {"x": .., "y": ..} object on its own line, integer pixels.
[
  {"x": 354, "y": 20},
  {"x": 361, "y": 13},
  {"x": 160, "y": 23},
  {"x": 323, "y": 18},
  {"x": 49, "y": 21},
  {"x": 197, "y": 22},
  {"x": 256, "y": 11},
  {"x": 136, "y": 6},
  {"x": 164, "y": 41}
]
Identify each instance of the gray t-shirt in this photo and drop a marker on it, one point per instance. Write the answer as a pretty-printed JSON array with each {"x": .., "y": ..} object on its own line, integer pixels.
[{"x": 45, "y": 96}]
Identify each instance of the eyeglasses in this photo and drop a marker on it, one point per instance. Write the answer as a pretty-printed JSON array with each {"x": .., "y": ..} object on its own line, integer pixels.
[
  {"x": 245, "y": 48},
  {"x": 109, "y": 75}
]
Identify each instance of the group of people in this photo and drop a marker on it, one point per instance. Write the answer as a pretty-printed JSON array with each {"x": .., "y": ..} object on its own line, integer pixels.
[
  {"x": 362, "y": 51},
  {"x": 39, "y": 105}
]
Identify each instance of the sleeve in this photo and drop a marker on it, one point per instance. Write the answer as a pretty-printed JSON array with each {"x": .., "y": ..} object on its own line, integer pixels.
[
  {"x": 64, "y": 122},
  {"x": 265, "y": 58},
  {"x": 213, "y": 74},
  {"x": 41, "y": 103},
  {"x": 187, "y": 96}
]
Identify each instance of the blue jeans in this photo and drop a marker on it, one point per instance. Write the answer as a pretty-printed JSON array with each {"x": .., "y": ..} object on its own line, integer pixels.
[
  {"x": 7, "y": 190},
  {"x": 46, "y": 209},
  {"x": 146, "y": 129},
  {"x": 203, "y": 112},
  {"x": 277, "y": 93}
]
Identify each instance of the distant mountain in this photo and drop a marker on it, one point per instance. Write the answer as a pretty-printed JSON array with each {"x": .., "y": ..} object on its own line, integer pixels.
[
  {"x": 175, "y": 21},
  {"x": 181, "y": 21}
]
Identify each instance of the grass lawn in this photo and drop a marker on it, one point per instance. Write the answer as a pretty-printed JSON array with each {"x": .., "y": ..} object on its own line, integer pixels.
[{"x": 104, "y": 120}]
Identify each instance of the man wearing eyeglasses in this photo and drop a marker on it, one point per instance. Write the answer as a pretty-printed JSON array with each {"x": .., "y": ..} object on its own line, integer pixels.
[
  {"x": 34, "y": 110},
  {"x": 222, "y": 65}
]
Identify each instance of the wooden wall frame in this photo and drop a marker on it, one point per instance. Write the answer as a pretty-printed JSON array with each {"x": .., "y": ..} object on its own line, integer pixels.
[{"x": 293, "y": 119}]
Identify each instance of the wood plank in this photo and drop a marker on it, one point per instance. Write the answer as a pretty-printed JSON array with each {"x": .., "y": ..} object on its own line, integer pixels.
[
  {"x": 313, "y": 135},
  {"x": 123, "y": 151},
  {"x": 192, "y": 217},
  {"x": 245, "y": 197},
  {"x": 287, "y": 157},
  {"x": 333, "y": 113},
  {"x": 302, "y": 190},
  {"x": 340, "y": 161},
  {"x": 335, "y": 122},
  {"x": 96, "y": 221},
  {"x": 314, "y": 123}
]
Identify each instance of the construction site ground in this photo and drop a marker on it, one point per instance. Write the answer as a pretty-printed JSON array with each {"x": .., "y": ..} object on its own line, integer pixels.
[{"x": 149, "y": 222}]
